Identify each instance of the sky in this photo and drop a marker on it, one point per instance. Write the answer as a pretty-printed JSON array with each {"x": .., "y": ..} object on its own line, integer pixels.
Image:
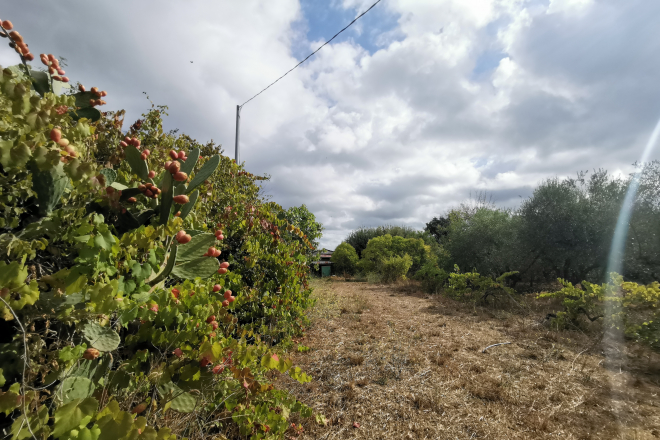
[{"x": 416, "y": 108}]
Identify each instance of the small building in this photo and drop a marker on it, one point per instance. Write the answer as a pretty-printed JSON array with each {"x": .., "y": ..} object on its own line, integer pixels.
[{"x": 325, "y": 265}]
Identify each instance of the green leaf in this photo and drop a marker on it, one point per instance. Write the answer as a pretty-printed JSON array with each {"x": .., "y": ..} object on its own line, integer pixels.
[
  {"x": 88, "y": 112},
  {"x": 202, "y": 267},
  {"x": 168, "y": 267},
  {"x": 180, "y": 401},
  {"x": 190, "y": 163},
  {"x": 166, "y": 198},
  {"x": 49, "y": 186},
  {"x": 83, "y": 98},
  {"x": 40, "y": 82},
  {"x": 204, "y": 173},
  {"x": 76, "y": 387},
  {"x": 73, "y": 415},
  {"x": 101, "y": 338},
  {"x": 185, "y": 209},
  {"x": 119, "y": 186},
  {"x": 109, "y": 174},
  {"x": 2, "y": 379},
  {"x": 195, "y": 248},
  {"x": 138, "y": 165}
]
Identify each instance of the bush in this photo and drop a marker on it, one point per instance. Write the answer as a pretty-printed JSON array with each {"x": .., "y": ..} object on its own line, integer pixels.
[
  {"x": 432, "y": 277},
  {"x": 395, "y": 268},
  {"x": 385, "y": 247},
  {"x": 476, "y": 288},
  {"x": 111, "y": 271},
  {"x": 345, "y": 259},
  {"x": 622, "y": 305}
]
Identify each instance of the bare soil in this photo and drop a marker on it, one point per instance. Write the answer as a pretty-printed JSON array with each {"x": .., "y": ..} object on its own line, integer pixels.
[{"x": 404, "y": 365}]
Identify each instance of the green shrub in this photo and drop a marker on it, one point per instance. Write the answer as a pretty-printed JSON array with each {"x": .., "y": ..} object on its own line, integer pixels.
[
  {"x": 345, "y": 259},
  {"x": 385, "y": 247},
  {"x": 395, "y": 268},
  {"x": 111, "y": 270},
  {"x": 432, "y": 277},
  {"x": 473, "y": 287},
  {"x": 627, "y": 306}
]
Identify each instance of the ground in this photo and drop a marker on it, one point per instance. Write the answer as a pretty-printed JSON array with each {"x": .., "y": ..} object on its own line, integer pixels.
[{"x": 401, "y": 364}]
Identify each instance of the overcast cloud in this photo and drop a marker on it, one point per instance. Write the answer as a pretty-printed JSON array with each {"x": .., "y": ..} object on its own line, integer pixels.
[{"x": 420, "y": 104}]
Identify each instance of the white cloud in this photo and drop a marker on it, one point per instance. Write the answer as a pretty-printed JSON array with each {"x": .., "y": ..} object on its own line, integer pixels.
[{"x": 394, "y": 136}]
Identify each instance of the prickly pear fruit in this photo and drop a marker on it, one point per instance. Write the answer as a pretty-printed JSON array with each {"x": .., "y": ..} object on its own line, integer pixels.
[
  {"x": 204, "y": 362},
  {"x": 152, "y": 174},
  {"x": 175, "y": 166},
  {"x": 173, "y": 155},
  {"x": 224, "y": 264},
  {"x": 55, "y": 135},
  {"x": 180, "y": 176},
  {"x": 210, "y": 319},
  {"x": 139, "y": 408},
  {"x": 217, "y": 288},
  {"x": 91, "y": 353},
  {"x": 178, "y": 352},
  {"x": 181, "y": 199},
  {"x": 222, "y": 271},
  {"x": 218, "y": 369},
  {"x": 181, "y": 154},
  {"x": 225, "y": 303},
  {"x": 227, "y": 294}
]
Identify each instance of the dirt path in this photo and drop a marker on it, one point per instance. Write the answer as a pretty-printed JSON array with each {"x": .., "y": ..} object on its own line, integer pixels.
[{"x": 405, "y": 365}]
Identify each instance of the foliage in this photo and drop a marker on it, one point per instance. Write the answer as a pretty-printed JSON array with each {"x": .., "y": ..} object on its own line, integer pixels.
[
  {"x": 300, "y": 217},
  {"x": 473, "y": 287},
  {"x": 382, "y": 248},
  {"x": 624, "y": 305},
  {"x": 117, "y": 313},
  {"x": 360, "y": 237},
  {"x": 438, "y": 228},
  {"x": 345, "y": 259},
  {"x": 432, "y": 277},
  {"x": 395, "y": 268}
]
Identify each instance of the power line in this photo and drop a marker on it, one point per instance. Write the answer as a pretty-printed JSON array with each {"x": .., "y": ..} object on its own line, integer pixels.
[{"x": 308, "y": 56}]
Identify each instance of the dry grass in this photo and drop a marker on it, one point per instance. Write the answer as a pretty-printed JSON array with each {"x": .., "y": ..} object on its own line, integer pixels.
[{"x": 406, "y": 365}]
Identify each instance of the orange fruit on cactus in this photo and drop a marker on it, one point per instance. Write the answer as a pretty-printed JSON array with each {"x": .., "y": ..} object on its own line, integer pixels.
[
  {"x": 91, "y": 353},
  {"x": 222, "y": 271},
  {"x": 55, "y": 135},
  {"x": 132, "y": 200},
  {"x": 139, "y": 408},
  {"x": 123, "y": 144},
  {"x": 7, "y": 25},
  {"x": 180, "y": 176},
  {"x": 30, "y": 57},
  {"x": 148, "y": 193},
  {"x": 80, "y": 86},
  {"x": 218, "y": 369},
  {"x": 204, "y": 362},
  {"x": 231, "y": 299},
  {"x": 217, "y": 253},
  {"x": 227, "y": 294},
  {"x": 175, "y": 166},
  {"x": 210, "y": 319},
  {"x": 214, "y": 325},
  {"x": 181, "y": 199},
  {"x": 16, "y": 36},
  {"x": 173, "y": 154},
  {"x": 225, "y": 303},
  {"x": 152, "y": 174},
  {"x": 217, "y": 288},
  {"x": 224, "y": 264},
  {"x": 181, "y": 154}
]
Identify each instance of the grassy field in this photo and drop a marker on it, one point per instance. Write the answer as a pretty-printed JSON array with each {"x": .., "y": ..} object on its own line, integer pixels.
[{"x": 402, "y": 364}]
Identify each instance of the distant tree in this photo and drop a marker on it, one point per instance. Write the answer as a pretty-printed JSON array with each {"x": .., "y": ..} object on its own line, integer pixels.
[
  {"x": 345, "y": 259},
  {"x": 304, "y": 219},
  {"x": 438, "y": 228}
]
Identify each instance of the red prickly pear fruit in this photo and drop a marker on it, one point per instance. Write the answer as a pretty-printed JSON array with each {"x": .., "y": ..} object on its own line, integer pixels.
[
  {"x": 218, "y": 369},
  {"x": 123, "y": 144},
  {"x": 176, "y": 293},
  {"x": 180, "y": 176},
  {"x": 63, "y": 142},
  {"x": 30, "y": 57},
  {"x": 173, "y": 155},
  {"x": 217, "y": 253},
  {"x": 16, "y": 36},
  {"x": 152, "y": 174},
  {"x": 132, "y": 200},
  {"x": 217, "y": 288},
  {"x": 167, "y": 165},
  {"x": 181, "y": 199},
  {"x": 126, "y": 139},
  {"x": 7, "y": 25},
  {"x": 204, "y": 362},
  {"x": 231, "y": 299},
  {"x": 60, "y": 71},
  {"x": 55, "y": 135},
  {"x": 109, "y": 190},
  {"x": 146, "y": 151},
  {"x": 91, "y": 353},
  {"x": 181, "y": 155},
  {"x": 178, "y": 352},
  {"x": 210, "y": 252},
  {"x": 80, "y": 86},
  {"x": 139, "y": 408},
  {"x": 224, "y": 264},
  {"x": 143, "y": 156},
  {"x": 214, "y": 324},
  {"x": 148, "y": 193},
  {"x": 154, "y": 308},
  {"x": 44, "y": 60},
  {"x": 95, "y": 90},
  {"x": 222, "y": 271},
  {"x": 174, "y": 167},
  {"x": 104, "y": 94},
  {"x": 149, "y": 185},
  {"x": 180, "y": 236},
  {"x": 225, "y": 303},
  {"x": 178, "y": 214},
  {"x": 136, "y": 142},
  {"x": 210, "y": 319},
  {"x": 227, "y": 294}
]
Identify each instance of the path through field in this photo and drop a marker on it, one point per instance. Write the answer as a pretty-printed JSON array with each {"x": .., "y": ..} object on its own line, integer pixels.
[{"x": 404, "y": 365}]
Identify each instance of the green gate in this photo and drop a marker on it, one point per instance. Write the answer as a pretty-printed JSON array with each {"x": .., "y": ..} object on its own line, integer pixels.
[{"x": 325, "y": 271}]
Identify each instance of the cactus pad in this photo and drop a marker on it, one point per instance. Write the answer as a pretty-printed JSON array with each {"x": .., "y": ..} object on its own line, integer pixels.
[
  {"x": 204, "y": 173},
  {"x": 75, "y": 387},
  {"x": 101, "y": 338},
  {"x": 180, "y": 401}
]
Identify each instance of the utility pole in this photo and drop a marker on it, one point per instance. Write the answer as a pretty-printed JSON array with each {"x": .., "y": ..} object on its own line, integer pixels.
[{"x": 237, "y": 154}]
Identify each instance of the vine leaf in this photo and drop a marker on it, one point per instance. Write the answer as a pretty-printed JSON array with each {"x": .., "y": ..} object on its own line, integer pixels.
[{"x": 73, "y": 415}]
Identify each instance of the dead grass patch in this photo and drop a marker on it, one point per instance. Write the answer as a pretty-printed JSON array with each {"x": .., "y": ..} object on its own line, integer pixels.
[{"x": 413, "y": 367}]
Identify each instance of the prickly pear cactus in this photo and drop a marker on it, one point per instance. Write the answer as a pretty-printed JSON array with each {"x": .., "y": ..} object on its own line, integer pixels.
[{"x": 101, "y": 338}]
